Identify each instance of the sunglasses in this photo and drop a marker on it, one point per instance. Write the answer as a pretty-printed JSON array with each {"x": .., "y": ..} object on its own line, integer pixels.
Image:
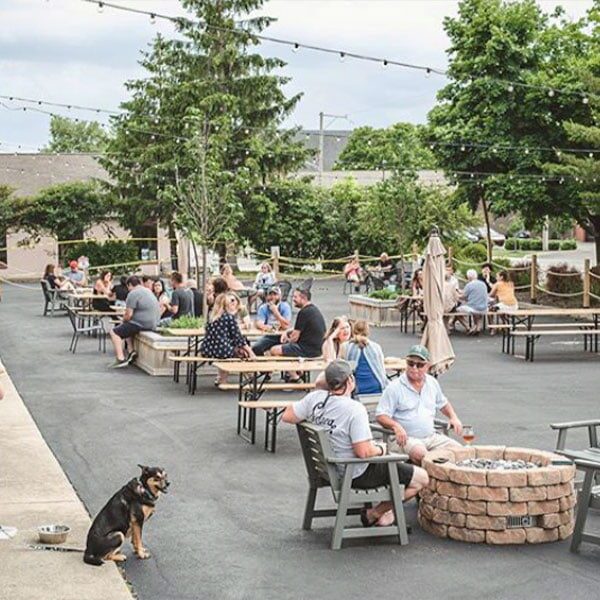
[{"x": 415, "y": 363}]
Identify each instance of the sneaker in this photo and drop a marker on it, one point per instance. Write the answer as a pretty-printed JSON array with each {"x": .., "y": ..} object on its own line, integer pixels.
[
  {"x": 132, "y": 356},
  {"x": 119, "y": 364}
]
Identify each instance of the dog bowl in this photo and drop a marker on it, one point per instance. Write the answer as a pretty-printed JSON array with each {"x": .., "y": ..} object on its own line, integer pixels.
[{"x": 53, "y": 534}]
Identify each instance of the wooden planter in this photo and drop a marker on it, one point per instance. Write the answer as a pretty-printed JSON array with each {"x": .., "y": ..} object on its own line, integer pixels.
[
  {"x": 380, "y": 313},
  {"x": 153, "y": 350}
]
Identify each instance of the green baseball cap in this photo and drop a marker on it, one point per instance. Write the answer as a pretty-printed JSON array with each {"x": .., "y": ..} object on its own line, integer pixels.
[{"x": 419, "y": 351}]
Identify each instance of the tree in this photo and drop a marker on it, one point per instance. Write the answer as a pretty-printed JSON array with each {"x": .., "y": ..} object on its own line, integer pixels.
[
  {"x": 397, "y": 147},
  {"x": 484, "y": 123},
  {"x": 64, "y": 210},
  {"x": 68, "y": 135},
  {"x": 241, "y": 101},
  {"x": 7, "y": 216}
]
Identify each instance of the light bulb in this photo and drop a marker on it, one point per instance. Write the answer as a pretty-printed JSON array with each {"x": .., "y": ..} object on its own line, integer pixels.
[
  {"x": 511, "y": 88},
  {"x": 296, "y": 48},
  {"x": 152, "y": 19},
  {"x": 100, "y": 7},
  {"x": 342, "y": 57},
  {"x": 384, "y": 64},
  {"x": 551, "y": 93}
]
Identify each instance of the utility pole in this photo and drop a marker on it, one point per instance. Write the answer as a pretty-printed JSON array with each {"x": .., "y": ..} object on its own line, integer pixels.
[{"x": 322, "y": 128}]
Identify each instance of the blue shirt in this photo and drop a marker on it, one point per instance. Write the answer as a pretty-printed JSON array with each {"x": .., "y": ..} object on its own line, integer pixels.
[
  {"x": 413, "y": 410},
  {"x": 266, "y": 317},
  {"x": 366, "y": 382},
  {"x": 476, "y": 295}
]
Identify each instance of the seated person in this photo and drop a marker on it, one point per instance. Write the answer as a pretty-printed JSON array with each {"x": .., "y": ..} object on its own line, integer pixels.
[
  {"x": 503, "y": 292},
  {"x": 57, "y": 282},
  {"x": 408, "y": 407},
  {"x": 350, "y": 436},
  {"x": 215, "y": 286},
  {"x": 223, "y": 338},
  {"x": 487, "y": 276},
  {"x": 367, "y": 356},
  {"x": 242, "y": 315},
  {"x": 197, "y": 295},
  {"x": 353, "y": 272},
  {"x": 120, "y": 290},
  {"x": 451, "y": 297},
  {"x": 75, "y": 275},
  {"x": 182, "y": 299},
  {"x": 233, "y": 283},
  {"x": 337, "y": 336},
  {"x": 103, "y": 289},
  {"x": 141, "y": 314},
  {"x": 158, "y": 290},
  {"x": 271, "y": 316},
  {"x": 474, "y": 302},
  {"x": 385, "y": 267}
]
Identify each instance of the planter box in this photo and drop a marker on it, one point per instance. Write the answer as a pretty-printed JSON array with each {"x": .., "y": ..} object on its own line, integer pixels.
[
  {"x": 153, "y": 350},
  {"x": 381, "y": 313}
]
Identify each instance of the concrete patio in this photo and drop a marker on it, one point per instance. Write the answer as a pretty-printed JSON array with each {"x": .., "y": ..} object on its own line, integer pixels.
[{"x": 230, "y": 526}]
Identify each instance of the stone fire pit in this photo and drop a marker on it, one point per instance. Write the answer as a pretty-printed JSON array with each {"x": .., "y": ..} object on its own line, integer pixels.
[{"x": 511, "y": 505}]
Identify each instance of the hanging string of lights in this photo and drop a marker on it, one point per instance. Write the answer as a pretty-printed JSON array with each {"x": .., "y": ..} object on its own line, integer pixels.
[{"x": 342, "y": 54}]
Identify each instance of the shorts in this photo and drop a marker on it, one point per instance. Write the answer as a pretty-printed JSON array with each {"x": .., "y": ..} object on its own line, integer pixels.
[
  {"x": 295, "y": 349},
  {"x": 127, "y": 329},
  {"x": 508, "y": 308},
  {"x": 465, "y": 308},
  {"x": 436, "y": 440},
  {"x": 378, "y": 475}
]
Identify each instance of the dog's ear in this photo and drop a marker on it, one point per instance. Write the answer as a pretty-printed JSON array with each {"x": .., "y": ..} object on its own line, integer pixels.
[{"x": 143, "y": 468}]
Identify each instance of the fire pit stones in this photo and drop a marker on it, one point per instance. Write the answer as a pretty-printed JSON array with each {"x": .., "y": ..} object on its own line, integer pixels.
[{"x": 497, "y": 506}]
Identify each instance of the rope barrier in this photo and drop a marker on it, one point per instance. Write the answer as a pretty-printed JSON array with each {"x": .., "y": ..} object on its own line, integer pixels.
[
  {"x": 593, "y": 275},
  {"x": 511, "y": 268},
  {"x": 18, "y": 285},
  {"x": 522, "y": 287},
  {"x": 559, "y": 294},
  {"x": 469, "y": 264},
  {"x": 594, "y": 296},
  {"x": 555, "y": 274}
]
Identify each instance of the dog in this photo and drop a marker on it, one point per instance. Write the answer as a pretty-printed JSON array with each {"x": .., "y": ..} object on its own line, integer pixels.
[{"x": 123, "y": 516}]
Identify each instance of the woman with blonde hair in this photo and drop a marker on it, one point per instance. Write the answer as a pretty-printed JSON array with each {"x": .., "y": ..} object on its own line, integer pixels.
[
  {"x": 232, "y": 281},
  {"x": 223, "y": 338},
  {"x": 367, "y": 355}
]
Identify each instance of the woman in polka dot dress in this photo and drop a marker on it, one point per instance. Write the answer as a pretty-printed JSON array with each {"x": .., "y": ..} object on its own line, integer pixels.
[{"x": 223, "y": 335}]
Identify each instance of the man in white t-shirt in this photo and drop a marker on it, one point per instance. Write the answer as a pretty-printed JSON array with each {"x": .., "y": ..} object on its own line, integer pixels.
[
  {"x": 408, "y": 407},
  {"x": 350, "y": 436}
]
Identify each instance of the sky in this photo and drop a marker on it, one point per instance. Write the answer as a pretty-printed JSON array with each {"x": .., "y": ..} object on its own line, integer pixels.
[{"x": 65, "y": 51}]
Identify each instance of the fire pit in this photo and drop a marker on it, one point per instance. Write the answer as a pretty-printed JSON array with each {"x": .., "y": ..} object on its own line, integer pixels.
[{"x": 497, "y": 495}]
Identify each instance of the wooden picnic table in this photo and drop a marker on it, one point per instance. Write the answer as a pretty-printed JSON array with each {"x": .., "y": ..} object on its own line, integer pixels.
[
  {"x": 526, "y": 319},
  {"x": 254, "y": 381}
]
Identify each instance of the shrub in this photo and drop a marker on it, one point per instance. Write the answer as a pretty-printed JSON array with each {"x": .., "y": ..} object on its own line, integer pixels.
[
  {"x": 384, "y": 294},
  {"x": 520, "y": 275},
  {"x": 563, "y": 279},
  {"x": 474, "y": 252},
  {"x": 511, "y": 244},
  {"x": 554, "y": 245},
  {"x": 594, "y": 281},
  {"x": 187, "y": 322},
  {"x": 534, "y": 244},
  {"x": 111, "y": 252},
  {"x": 568, "y": 245}
]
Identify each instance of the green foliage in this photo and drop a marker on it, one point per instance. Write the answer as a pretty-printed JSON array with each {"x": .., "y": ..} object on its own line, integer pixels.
[
  {"x": 595, "y": 281},
  {"x": 394, "y": 148},
  {"x": 520, "y": 273},
  {"x": 206, "y": 82},
  {"x": 67, "y": 135},
  {"x": 511, "y": 244},
  {"x": 476, "y": 253},
  {"x": 384, "y": 294},
  {"x": 568, "y": 245},
  {"x": 64, "y": 210},
  {"x": 534, "y": 244},
  {"x": 563, "y": 279},
  {"x": 554, "y": 245},
  {"x": 516, "y": 224},
  {"x": 110, "y": 252},
  {"x": 187, "y": 322}
]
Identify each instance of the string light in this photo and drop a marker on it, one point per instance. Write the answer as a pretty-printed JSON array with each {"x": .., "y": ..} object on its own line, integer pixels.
[
  {"x": 296, "y": 48},
  {"x": 152, "y": 19},
  {"x": 342, "y": 56},
  {"x": 100, "y": 7}
]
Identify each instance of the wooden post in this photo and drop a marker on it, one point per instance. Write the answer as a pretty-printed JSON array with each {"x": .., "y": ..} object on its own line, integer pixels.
[
  {"x": 534, "y": 275},
  {"x": 275, "y": 260},
  {"x": 450, "y": 253},
  {"x": 586, "y": 283}
]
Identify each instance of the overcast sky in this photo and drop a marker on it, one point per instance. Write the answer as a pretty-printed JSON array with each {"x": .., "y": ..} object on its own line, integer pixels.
[{"x": 65, "y": 51}]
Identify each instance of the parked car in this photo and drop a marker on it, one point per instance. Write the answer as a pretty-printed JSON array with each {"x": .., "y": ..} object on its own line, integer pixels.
[
  {"x": 523, "y": 234},
  {"x": 479, "y": 234}
]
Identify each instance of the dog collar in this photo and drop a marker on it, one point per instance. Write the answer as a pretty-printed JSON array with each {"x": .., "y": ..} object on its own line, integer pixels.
[{"x": 149, "y": 497}]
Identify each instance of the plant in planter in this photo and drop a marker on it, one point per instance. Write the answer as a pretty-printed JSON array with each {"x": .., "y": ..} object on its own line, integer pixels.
[
  {"x": 384, "y": 294},
  {"x": 187, "y": 322},
  {"x": 563, "y": 279}
]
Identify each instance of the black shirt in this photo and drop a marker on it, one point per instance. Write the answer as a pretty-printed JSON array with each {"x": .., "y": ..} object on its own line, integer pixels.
[
  {"x": 311, "y": 325},
  {"x": 487, "y": 285},
  {"x": 51, "y": 279},
  {"x": 388, "y": 265},
  {"x": 121, "y": 292}
]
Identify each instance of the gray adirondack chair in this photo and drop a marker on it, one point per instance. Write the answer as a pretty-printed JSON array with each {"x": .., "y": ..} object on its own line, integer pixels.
[
  {"x": 53, "y": 299},
  {"x": 322, "y": 473},
  {"x": 588, "y": 461}
]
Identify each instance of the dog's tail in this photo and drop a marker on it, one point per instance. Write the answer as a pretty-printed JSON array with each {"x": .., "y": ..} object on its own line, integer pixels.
[{"x": 90, "y": 559}]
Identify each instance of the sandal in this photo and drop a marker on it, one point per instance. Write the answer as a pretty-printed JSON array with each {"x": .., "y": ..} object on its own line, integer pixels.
[{"x": 364, "y": 518}]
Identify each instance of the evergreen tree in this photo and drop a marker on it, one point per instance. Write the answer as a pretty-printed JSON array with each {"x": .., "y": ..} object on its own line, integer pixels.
[{"x": 207, "y": 82}]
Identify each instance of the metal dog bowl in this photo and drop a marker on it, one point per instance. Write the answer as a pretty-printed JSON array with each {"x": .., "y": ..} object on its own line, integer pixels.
[{"x": 53, "y": 534}]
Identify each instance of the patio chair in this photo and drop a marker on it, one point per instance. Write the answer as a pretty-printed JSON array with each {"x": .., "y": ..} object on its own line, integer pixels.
[
  {"x": 588, "y": 461},
  {"x": 322, "y": 473},
  {"x": 377, "y": 282},
  {"x": 53, "y": 300},
  {"x": 79, "y": 329},
  {"x": 286, "y": 288},
  {"x": 307, "y": 284},
  {"x": 365, "y": 282}
]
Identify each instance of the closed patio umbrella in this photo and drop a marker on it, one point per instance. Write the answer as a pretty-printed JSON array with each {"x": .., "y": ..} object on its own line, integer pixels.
[{"x": 435, "y": 337}]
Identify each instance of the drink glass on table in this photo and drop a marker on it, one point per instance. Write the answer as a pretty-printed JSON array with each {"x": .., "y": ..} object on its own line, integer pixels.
[{"x": 468, "y": 434}]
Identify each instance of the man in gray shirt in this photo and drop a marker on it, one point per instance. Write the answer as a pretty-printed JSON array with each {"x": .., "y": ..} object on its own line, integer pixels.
[
  {"x": 475, "y": 297},
  {"x": 142, "y": 312},
  {"x": 182, "y": 300},
  {"x": 347, "y": 423}
]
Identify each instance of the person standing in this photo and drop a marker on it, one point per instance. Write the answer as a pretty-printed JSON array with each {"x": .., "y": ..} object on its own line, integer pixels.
[{"x": 142, "y": 312}]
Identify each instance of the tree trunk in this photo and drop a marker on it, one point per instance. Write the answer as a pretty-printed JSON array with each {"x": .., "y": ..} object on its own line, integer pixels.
[
  {"x": 204, "y": 281},
  {"x": 595, "y": 221},
  {"x": 488, "y": 235},
  {"x": 195, "y": 249}
]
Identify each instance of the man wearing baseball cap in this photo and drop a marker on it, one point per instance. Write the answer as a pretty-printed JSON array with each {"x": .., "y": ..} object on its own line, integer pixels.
[
  {"x": 408, "y": 407},
  {"x": 350, "y": 436},
  {"x": 271, "y": 316},
  {"x": 74, "y": 274}
]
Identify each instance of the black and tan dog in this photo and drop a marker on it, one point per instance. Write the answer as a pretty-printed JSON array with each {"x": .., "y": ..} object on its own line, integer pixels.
[{"x": 123, "y": 516}]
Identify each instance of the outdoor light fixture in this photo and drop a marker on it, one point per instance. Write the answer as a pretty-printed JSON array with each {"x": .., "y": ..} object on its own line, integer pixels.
[
  {"x": 153, "y": 19},
  {"x": 100, "y": 7},
  {"x": 342, "y": 57},
  {"x": 384, "y": 64},
  {"x": 296, "y": 48}
]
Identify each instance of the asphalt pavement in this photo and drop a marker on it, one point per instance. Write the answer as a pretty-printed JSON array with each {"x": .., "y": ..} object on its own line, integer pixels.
[{"x": 230, "y": 527}]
